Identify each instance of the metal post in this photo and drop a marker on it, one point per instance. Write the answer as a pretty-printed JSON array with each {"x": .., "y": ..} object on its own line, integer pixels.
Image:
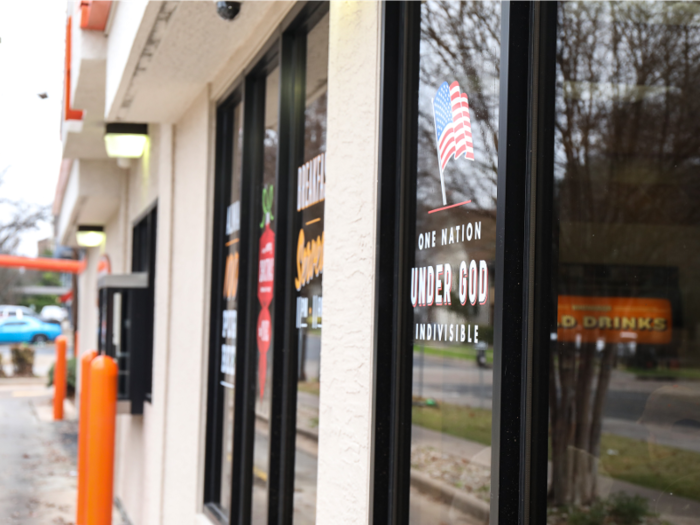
[
  {"x": 102, "y": 415},
  {"x": 59, "y": 378},
  {"x": 422, "y": 363},
  {"x": 85, "y": 361}
]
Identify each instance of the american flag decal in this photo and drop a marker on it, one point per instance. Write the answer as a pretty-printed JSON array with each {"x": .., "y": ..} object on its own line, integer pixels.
[{"x": 453, "y": 128}]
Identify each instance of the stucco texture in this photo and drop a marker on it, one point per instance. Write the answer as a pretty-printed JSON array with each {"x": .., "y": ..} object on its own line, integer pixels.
[{"x": 345, "y": 425}]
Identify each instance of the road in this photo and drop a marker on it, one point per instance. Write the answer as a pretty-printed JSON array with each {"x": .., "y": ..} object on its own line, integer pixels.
[{"x": 667, "y": 412}]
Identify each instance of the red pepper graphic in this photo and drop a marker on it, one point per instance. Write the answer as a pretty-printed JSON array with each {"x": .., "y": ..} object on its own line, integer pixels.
[{"x": 266, "y": 277}]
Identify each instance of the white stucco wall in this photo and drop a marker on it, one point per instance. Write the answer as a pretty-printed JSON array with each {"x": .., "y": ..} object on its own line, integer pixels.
[
  {"x": 345, "y": 423},
  {"x": 143, "y": 177},
  {"x": 138, "y": 463},
  {"x": 155, "y": 411},
  {"x": 160, "y": 455},
  {"x": 189, "y": 282}
]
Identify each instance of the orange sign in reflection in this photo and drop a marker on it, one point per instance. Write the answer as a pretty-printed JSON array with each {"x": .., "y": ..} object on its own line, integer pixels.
[{"x": 614, "y": 320}]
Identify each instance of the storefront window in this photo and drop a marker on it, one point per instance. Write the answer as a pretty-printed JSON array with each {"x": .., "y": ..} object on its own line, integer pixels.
[
  {"x": 308, "y": 281},
  {"x": 625, "y": 356},
  {"x": 265, "y": 288},
  {"x": 230, "y": 313},
  {"x": 452, "y": 280}
]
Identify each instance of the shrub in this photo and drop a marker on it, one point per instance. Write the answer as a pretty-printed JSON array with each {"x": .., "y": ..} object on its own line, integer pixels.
[
  {"x": 70, "y": 383},
  {"x": 618, "y": 509},
  {"x": 23, "y": 360},
  {"x": 595, "y": 515},
  {"x": 628, "y": 510}
]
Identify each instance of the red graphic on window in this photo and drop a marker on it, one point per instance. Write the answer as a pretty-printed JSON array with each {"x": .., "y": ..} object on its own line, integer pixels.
[
  {"x": 266, "y": 277},
  {"x": 266, "y": 270},
  {"x": 264, "y": 331}
]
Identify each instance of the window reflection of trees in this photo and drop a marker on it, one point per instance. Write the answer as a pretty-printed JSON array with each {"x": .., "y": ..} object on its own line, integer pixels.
[
  {"x": 627, "y": 158},
  {"x": 461, "y": 40},
  {"x": 315, "y": 127}
]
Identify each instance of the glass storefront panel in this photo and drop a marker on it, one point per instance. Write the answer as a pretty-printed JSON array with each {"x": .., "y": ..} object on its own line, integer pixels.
[
  {"x": 452, "y": 280},
  {"x": 229, "y": 320},
  {"x": 308, "y": 281},
  {"x": 625, "y": 356},
  {"x": 265, "y": 288}
]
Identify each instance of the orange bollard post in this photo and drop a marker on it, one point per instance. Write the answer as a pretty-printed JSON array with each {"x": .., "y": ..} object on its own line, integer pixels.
[
  {"x": 102, "y": 419},
  {"x": 59, "y": 377},
  {"x": 85, "y": 361}
]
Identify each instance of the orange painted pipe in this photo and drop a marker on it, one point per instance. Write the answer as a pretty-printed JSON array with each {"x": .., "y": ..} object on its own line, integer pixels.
[
  {"x": 43, "y": 263},
  {"x": 59, "y": 377},
  {"x": 85, "y": 361},
  {"x": 50, "y": 265},
  {"x": 102, "y": 419}
]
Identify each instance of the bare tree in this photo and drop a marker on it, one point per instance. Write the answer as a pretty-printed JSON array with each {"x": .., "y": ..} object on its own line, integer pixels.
[
  {"x": 20, "y": 218},
  {"x": 627, "y": 143}
]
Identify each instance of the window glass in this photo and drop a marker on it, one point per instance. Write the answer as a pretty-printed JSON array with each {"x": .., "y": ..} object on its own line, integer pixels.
[
  {"x": 265, "y": 277},
  {"x": 308, "y": 280},
  {"x": 229, "y": 320},
  {"x": 625, "y": 356},
  {"x": 455, "y": 245}
]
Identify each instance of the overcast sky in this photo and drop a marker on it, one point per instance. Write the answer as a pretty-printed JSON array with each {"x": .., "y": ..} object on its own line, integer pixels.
[{"x": 32, "y": 42}]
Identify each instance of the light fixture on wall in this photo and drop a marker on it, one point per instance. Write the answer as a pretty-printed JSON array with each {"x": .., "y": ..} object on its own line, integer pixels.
[
  {"x": 126, "y": 141},
  {"x": 90, "y": 236}
]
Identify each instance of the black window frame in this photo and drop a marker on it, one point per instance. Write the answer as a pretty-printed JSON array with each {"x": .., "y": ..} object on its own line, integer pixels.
[
  {"x": 215, "y": 393},
  {"x": 143, "y": 259},
  {"x": 524, "y": 305},
  {"x": 286, "y": 49}
]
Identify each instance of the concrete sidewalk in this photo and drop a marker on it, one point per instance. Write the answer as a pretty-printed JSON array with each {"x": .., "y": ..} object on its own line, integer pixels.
[{"x": 37, "y": 455}]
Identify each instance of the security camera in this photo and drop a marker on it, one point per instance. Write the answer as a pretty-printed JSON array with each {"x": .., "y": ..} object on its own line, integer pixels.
[{"x": 228, "y": 10}]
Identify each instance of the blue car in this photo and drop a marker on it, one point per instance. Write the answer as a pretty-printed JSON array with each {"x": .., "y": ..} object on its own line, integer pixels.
[{"x": 27, "y": 330}]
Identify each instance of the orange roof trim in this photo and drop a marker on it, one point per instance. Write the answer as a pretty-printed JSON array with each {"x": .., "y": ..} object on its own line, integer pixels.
[
  {"x": 94, "y": 14},
  {"x": 70, "y": 113}
]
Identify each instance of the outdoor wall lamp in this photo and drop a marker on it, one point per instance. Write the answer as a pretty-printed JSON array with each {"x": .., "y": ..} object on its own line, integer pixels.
[
  {"x": 126, "y": 141},
  {"x": 90, "y": 236}
]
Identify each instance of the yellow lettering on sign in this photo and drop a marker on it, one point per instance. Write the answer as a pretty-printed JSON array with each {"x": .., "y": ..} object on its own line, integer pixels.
[
  {"x": 309, "y": 259},
  {"x": 231, "y": 276}
]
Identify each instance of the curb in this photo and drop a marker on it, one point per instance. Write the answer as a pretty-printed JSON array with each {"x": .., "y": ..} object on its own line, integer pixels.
[
  {"x": 452, "y": 496},
  {"x": 306, "y": 433},
  {"x": 18, "y": 381}
]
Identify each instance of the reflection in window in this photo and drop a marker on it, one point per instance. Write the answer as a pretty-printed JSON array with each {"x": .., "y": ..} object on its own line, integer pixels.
[
  {"x": 265, "y": 280},
  {"x": 308, "y": 268},
  {"x": 452, "y": 277},
  {"x": 625, "y": 357},
  {"x": 229, "y": 321}
]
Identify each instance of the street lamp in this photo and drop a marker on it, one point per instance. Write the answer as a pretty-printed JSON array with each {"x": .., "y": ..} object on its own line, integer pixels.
[{"x": 90, "y": 236}]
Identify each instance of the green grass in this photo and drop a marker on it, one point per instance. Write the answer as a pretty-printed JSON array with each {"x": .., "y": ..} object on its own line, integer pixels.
[
  {"x": 457, "y": 352},
  {"x": 692, "y": 374},
  {"x": 648, "y": 465},
  {"x": 473, "y": 424},
  {"x": 310, "y": 387},
  {"x": 655, "y": 466}
]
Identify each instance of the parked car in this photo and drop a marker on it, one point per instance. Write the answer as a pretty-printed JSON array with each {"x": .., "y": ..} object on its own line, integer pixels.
[
  {"x": 27, "y": 329},
  {"x": 53, "y": 314},
  {"x": 11, "y": 310}
]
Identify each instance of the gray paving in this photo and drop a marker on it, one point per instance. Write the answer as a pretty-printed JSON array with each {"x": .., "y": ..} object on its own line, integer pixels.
[
  {"x": 38, "y": 459},
  {"x": 38, "y": 478}
]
